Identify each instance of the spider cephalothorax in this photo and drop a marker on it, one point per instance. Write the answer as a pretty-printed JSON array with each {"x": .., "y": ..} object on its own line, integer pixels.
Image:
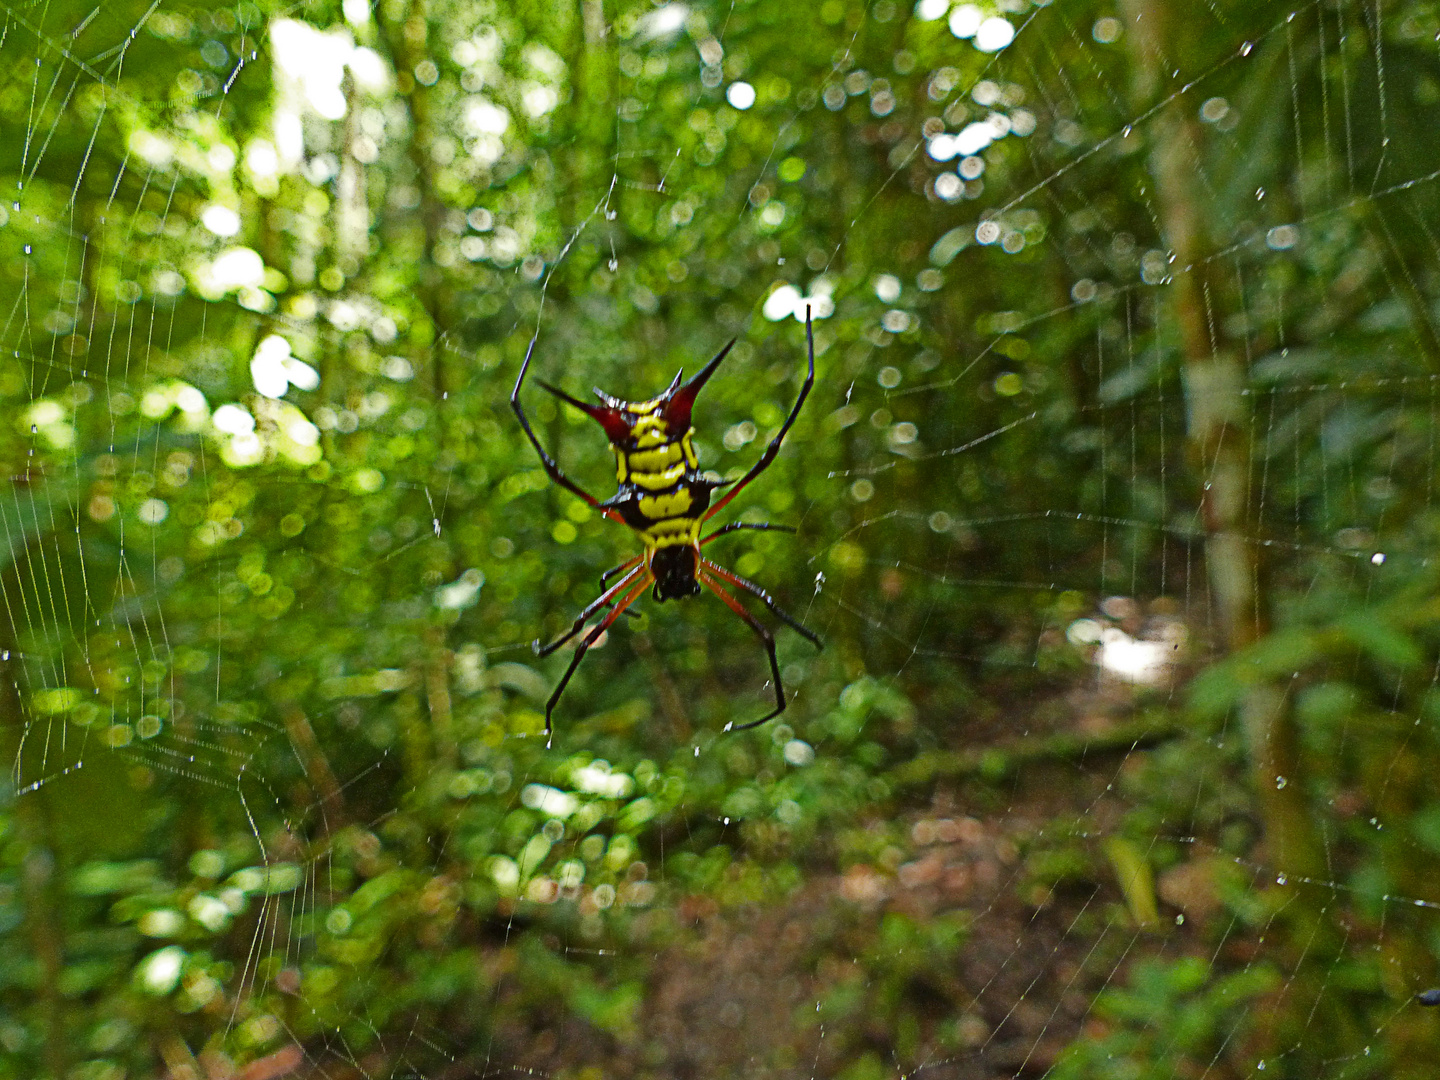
[
  {"x": 665, "y": 498},
  {"x": 674, "y": 570}
]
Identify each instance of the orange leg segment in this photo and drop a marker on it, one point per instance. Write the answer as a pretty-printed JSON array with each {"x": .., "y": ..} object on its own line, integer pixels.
[
  {"x": 637, "y": 588},
  {"x": 603, "y": 600},
  {"x": 765, "y": 637},
  {"x": 764, "y": 597}
]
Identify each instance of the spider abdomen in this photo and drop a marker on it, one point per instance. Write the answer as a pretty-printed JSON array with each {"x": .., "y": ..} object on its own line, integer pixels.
[
  {"x": 658, "y": 462},
  {"x": 674, "y": 504},
  {"x": 662, "y": 495},
  {"x": 668, "y": 517}
]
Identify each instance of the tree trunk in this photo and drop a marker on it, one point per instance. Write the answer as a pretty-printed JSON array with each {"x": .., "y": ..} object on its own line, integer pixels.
[
  {"x": 1218, "y": 433},
  {"x": 406, "y": 43}
]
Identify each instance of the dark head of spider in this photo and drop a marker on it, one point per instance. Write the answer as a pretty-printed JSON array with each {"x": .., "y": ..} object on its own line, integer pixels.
[{"x": 674, "y": 569}]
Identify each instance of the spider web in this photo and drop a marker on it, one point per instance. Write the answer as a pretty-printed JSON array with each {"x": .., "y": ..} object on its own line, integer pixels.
[{"x": 276, "y": 550}]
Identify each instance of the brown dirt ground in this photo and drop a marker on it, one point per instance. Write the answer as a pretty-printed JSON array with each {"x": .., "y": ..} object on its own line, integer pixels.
[{"x": 737, "y": 997}]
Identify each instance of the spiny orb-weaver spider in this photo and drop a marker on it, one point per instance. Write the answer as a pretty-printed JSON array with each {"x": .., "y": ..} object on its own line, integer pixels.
[{"x": 665, "y": 498}]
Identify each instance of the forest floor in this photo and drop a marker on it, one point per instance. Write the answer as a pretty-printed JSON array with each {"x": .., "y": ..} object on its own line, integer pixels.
[{"x": 838, "y": 979}]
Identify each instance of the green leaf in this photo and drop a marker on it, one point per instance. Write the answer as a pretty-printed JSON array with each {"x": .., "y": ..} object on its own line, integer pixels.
[{"x": 1382, "y": 641}]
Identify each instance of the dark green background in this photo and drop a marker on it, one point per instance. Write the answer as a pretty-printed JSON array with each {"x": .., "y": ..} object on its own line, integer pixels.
[{"x": 272, "y": 720}]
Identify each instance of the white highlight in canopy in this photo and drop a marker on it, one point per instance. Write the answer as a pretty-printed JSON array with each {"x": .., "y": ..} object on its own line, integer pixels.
[
  {"x": 310, "y": 64},
  {"x": 597, "y": 779},
  {"x": 221, "y": 220},
  {"x": 160, "y": 971},
  {"x": 189, "y": 399},
  {"x": 316, "y": 60},
  {"x": 1134, "y": 660},
  {"x": 942, "y": 147},
  {"x": 971, "y": 139},
  {"x": 975, "y": 137},
  {"x": 741, "y": 95},
  {"x": 274, "y": 370},
  {"x": 261, "y": 158},
  {"x": 369, "y": 69},
  {"x": 994, "y": 34},
  {"x": 233, "y": 420},
  {"x": 461, "y": 593},
  {"x": 539, "y": 100},
  {"x": 663, "y": 21},
  {"x": 152, "y": 147},
  {"x": 236, "y": 268},
  {"x": 788, "y": 300},
  {"x": 548, "y": 800},
  {"x": 1145, "y": 660},
  {"x": 486, "y": 118},
  {"x": 965, "y": 20},
  {"x": 301, "y": 432}
]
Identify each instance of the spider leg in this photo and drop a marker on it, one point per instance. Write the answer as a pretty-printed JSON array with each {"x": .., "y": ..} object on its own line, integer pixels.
[
  {"x": 626, "y": 565},
  {"x": 767, "y": 638},
  {"x": 605, "y": 599},
  {"x": 552, "y": 469},
  {"x": 636, "y": 591},
  {"x": 765, "y": 598},
  {"x": 736, "y": 526},
  {"x": 774, "y": 448}
]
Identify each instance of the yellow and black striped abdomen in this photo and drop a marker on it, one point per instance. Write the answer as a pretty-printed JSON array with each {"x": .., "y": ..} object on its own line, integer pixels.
[{"x": 662, "y": 495}]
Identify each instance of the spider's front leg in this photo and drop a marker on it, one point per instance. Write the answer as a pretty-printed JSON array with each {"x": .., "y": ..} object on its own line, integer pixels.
[
  {"x": 736, "y": 526},
  {"x": 774, "y": 448},
  {"x": 552, "y": 468}
]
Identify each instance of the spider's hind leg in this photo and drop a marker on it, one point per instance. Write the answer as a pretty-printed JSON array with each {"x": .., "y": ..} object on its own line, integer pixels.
[
  {"x": 605, "y": 599},
  {"x": 766, "y": 599},
  {"x": 636, "y": 589},
  {"x": 766, "y": 638}
]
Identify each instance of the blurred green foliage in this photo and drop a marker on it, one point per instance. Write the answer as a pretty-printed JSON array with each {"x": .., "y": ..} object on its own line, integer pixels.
[
  {"x": 1170, "y": 1020},
  {"x": 274, "y": 548}
]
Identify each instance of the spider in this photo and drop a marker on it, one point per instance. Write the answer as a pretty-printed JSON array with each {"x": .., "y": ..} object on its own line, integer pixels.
[{"x": 665, "y": 499}]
